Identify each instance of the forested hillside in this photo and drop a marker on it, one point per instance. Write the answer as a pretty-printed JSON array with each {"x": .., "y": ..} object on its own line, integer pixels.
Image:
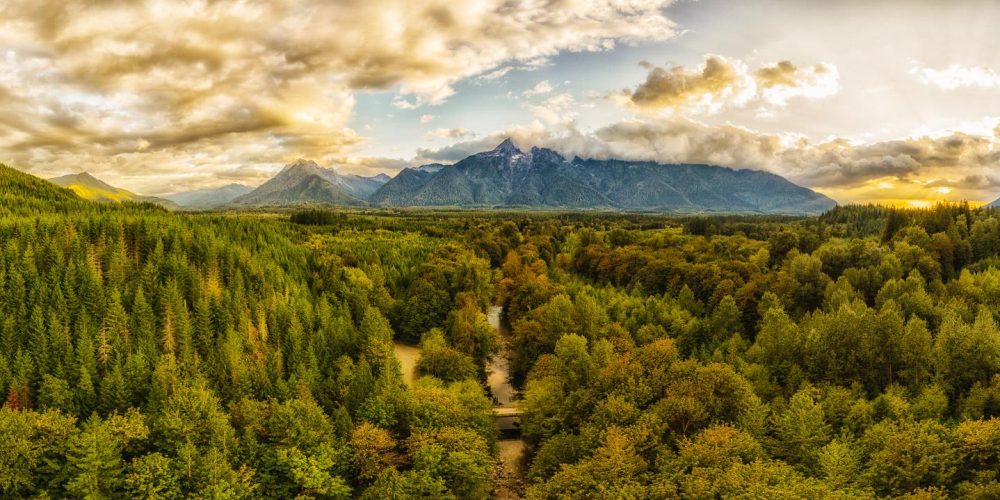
[
  {"x": 24, "y": 195},
  {"x": 91, "y": 188},
  {"x": 153, "y": 354}
]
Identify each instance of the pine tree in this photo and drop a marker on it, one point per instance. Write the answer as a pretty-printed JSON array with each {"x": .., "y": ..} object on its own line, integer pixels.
[
  {"x": 375, "y": 336},
  {"x": 204, "y": 335},
  {"x": 113, "y": 393},
  {"x": 86, "y": 395},
  {"x": 114, "y": 325},
  {"x": 37, "y": 338},
  {"x": 94, "y": 462},
  {"x": 168, "y": 336},
  {"x": 61, "y": 344},
  {"x": 143, "y": 325}
]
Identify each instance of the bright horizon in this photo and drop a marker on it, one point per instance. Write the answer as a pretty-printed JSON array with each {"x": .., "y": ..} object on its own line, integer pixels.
[{"x": 862, "y": 101}]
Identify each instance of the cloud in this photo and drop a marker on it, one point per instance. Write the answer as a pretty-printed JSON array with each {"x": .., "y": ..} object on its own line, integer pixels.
[
  {"x": 529, "y": 65},
  {"x": 543, "y": 87},
  {"x": 980, "y": 182},
  {"x": 720, "y": 82},
  {"x": 524, "y": 136},
  {"x": 448, "y": 133},
  {"x": 832, "y": 164},
  {"x": 956, "y": 76},
  {"x": 556, "y": 109},
  {"x": 973, "y": 182},
  {"x": 369, "y": 165},
  {"x": 427, "y": 118},
  {"x": 717, "y": 82},
  {"x": 782, "y": 81},
  {"x": 124, "y": 88}
]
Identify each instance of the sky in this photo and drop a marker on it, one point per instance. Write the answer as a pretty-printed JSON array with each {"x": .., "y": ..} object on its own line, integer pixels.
[{"x": 866, "y": 101}]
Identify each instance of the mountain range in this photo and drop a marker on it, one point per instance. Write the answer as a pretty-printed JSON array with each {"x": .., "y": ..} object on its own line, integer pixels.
[
  {"x": 502, "y": 177},
  {"x": 91, "y": 188},
  {"x": 542, "y": 178}
]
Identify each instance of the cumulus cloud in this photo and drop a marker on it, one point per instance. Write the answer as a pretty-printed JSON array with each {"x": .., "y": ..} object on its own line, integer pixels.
[
  {"x": 175, "y": 86},
  {"x": 956, "y": 76},
  {"x": 720, "y": 82},
  {"x": 782, "y": 81},
  {"x": 426, "y": 118}
]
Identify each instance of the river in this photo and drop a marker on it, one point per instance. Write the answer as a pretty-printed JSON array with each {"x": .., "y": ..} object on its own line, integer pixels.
[
  {"x": 498, "y": 368},
  {"x": 503, "y": 393},
  {"x": 511, "y": 446},
  {"x": 407, "y": 356}
]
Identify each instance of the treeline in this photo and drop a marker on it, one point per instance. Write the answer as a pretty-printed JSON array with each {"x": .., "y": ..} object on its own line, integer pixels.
[{"x": 318, "y": 217}]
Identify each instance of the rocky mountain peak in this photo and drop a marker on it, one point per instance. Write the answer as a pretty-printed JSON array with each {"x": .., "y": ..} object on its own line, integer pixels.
[
  {"x": 506, "y": 148},
  {"x": 546, "y": 155},
  {"x": 301, "y": 164}
]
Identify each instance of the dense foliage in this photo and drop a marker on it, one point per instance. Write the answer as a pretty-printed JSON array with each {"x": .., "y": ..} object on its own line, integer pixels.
[
  {"x": 857, "y": 355},
  {"x": 150, "y": 354}
]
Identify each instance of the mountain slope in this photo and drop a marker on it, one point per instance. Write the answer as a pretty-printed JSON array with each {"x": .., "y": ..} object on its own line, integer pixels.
[
  {"x": 209, "y": 198},
  {"x": 24, "y": 194},
  {"x": 305, "y": 182},
  {"x": 406, "y": 181},
  {"x": 91, "y": 188},
  {"x": 695, "y": 188},
  {"x": 994, "y": 204},
  {"x": 507, "y": 176},
  {"x": 356, "y": 185}
]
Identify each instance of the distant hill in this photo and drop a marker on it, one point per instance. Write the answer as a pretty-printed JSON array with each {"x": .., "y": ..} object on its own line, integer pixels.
[
  {"x": 994, "y": 204},
  {"x": 91, "y": 188},
  {"x": 304, "y": 182},
  {"x": 209, "y": 198},
  {"x": 507, "y": 176}
]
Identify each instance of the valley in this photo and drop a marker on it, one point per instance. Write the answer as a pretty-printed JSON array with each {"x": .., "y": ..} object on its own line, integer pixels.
[
  {"x": 476, "y": 354},
  {"x": 499, "y": 249}
]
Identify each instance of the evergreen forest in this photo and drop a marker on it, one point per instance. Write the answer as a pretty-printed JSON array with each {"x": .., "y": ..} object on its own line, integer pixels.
[{"x": 253, "y": 354}]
